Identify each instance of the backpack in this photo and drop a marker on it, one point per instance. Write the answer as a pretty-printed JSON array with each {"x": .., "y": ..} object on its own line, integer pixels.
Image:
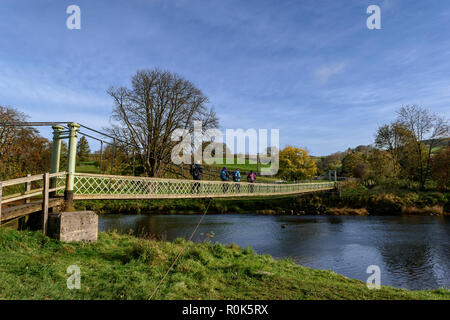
[
  {"x": 224, "y": 175},
  {"x": 195, "y": 171}
]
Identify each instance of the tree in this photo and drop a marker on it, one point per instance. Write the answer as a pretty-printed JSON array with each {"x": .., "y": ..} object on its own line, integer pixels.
[
  {"x": 381, "y": 167},
  {"x": 211, "y": 148},
  {"x": 356, "y": 164},
  {"x": 363, "y": 149},
  {"x": 440, "y": 168},
  {"x": 295, "y": 164},
  {"x": 83, "y": 149},
  {"x": 350, "y": 162},
  {"x": 120, "y": 158},
  {"x": 63, "y": 156},
  {"x": 331, "y": 162},
  {"x": 158, "y": 103},
  {"x": 22, "y": 150},
  {"x": 8, "y": 134},
  {"x": 423, "y": 125},
  {"x": 393, "y": 138}
]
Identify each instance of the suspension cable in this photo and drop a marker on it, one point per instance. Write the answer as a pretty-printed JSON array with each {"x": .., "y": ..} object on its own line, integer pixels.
[
  {"x": 181, "y": 251},
  {"x": 157, "y": 156}
]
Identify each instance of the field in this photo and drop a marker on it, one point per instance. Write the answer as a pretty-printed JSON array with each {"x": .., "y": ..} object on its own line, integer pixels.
[
  {"x": 231, "y": 164},
  {"x": 87, "y": 167}
]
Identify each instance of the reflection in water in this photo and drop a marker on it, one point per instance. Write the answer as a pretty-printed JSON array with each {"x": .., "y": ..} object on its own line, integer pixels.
[{"x": 412, "y": 252}]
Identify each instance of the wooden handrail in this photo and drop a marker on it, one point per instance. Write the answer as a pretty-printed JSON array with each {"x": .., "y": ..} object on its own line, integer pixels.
[
  {"x": 20, "y": 196},
  {"x": 28, "y": 193},
  {"x": 57, "y": 174},
  {"x": 12, "y": 182},
  {"x": 36, "y": 177}
]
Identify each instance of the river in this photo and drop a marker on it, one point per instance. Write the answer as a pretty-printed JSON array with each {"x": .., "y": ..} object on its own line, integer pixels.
[{"x": 413, "y": 252}]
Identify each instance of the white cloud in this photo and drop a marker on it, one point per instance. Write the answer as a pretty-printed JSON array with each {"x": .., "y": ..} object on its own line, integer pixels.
[
  {"x": 324, "y": 73},
  {"x": 40, "y": 90}
]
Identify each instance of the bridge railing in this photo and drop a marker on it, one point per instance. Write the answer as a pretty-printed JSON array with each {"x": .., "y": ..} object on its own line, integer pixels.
[
  {"x": 33, "y": 186},
  {"x": 96, "y": 186}
]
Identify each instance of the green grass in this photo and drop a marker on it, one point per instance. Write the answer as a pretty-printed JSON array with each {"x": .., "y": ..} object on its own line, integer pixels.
[
  {"x": 87, "y": 168},
  {"x": 246, "y": 167},
  {"x": 231, "y": 164},
  {"x": 33, "y": 266}
]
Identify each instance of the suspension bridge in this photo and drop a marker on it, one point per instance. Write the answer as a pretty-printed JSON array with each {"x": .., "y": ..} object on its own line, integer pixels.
[{"x": 43, "y": 192}]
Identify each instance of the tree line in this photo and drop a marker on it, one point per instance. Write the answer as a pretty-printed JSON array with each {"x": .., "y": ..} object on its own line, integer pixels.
[{"x": 412, "y": 151}]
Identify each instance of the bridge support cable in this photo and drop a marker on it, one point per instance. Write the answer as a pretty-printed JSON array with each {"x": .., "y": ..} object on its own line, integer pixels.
[
  {"x": 66, "y": 124},
  {"x": 101, "y": 156},
  {"x": 113, "y": 155},
  {"x": 181, "y": 251},
  {"x": 157, "y": 156}
]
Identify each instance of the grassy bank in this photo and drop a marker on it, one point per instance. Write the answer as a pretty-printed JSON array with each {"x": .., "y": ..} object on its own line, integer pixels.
[
  {"x": 33, "y": 266},
  {"x": 381, "y": 200},
  {"x": 189, "y": 206},
  {"x": 351, "y": 202}
]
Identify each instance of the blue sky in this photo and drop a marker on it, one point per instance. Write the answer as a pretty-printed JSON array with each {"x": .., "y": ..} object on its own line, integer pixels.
[{"x": 309, "y": 68}]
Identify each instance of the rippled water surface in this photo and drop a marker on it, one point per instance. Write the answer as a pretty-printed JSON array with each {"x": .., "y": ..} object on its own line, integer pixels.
[{"x": 412, "y": 252}]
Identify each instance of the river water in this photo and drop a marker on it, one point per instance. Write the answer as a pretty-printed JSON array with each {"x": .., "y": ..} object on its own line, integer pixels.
[{"x": 412, "y": 252}]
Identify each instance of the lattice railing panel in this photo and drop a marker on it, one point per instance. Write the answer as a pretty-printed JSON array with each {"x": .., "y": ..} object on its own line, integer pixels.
[
  {"x": 60, "y": 182},
  {"x": 103, "y": 186}
]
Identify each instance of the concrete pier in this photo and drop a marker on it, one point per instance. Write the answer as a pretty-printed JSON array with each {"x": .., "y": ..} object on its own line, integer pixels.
[{"x": 73, "y": 226}]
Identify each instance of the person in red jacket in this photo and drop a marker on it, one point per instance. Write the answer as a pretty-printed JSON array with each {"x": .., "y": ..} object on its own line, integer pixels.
[{"x": 251, "y": 177}]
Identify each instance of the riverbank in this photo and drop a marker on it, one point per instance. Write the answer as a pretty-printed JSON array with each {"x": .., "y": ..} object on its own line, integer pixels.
[
  {"x": 349, "y": 202},
  {"x": 33, "y": 266}
]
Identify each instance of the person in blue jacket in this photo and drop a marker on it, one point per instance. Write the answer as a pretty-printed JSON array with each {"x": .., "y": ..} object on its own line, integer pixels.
[
  {"x": 237, "y": 178},
  {"x": 225, "y": 176}
]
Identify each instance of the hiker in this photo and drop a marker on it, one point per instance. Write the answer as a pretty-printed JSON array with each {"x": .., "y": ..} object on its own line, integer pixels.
[
  {"x": 196, "y": 172},
  {"x": 251, "y": 178},
  {"x": 237, "y": 178},
  {"x": 225, "y": 176}
]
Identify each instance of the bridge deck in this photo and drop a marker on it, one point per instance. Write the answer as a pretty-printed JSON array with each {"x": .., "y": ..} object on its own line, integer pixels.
[{"x": 21, "y": 210}]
